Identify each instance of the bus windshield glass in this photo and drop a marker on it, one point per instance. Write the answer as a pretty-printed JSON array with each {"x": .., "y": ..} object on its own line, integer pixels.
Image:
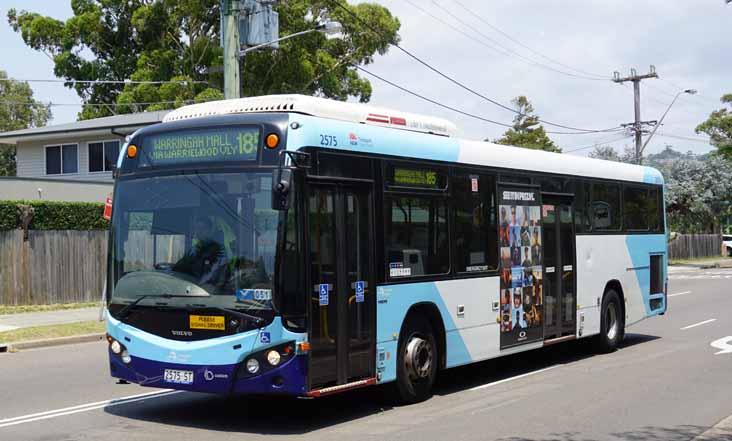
[{"x": 211, "y": 237}]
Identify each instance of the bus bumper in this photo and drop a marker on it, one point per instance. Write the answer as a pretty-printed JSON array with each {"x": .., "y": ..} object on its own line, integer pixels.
[
  {"x": 215, "y": 365},
  {"x": 290, "y": 378}
]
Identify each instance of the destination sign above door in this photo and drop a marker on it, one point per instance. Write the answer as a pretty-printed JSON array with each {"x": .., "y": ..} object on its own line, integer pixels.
[{"x": 201, "y": 145}]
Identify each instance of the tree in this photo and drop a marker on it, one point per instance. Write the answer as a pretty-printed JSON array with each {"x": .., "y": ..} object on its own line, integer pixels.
[
  {"x": 605, "y": 152},
  {"x": 163, "y": 40},
  {"x": 698, "y": 194},
  {"x": 527, "y": 132},
  {"x": 719, "y": 128},
  {"x": 18, "y": 110}
]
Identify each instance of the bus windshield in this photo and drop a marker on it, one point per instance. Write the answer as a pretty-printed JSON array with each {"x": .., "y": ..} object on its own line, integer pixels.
[{"x": 208, "y": 236}]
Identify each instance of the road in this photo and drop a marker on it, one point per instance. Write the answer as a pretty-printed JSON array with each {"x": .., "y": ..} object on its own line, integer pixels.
[{"x": 666, "y": 383}]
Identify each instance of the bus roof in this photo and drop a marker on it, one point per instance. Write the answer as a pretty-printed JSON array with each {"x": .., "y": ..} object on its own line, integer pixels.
[
  {"x": 415, "y": 139},
  {"x": 320, "y": 107}
]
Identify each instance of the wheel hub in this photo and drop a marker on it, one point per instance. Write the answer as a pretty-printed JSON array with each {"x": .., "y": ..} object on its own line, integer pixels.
[{"x": 418, "y": 358}]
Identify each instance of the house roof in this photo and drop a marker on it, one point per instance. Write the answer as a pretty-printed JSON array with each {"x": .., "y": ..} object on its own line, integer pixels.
[{"x": 119, "y": 125}]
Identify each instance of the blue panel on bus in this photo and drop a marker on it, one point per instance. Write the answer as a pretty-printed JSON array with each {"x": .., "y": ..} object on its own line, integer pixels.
[
  {"x": 340, "y": 135},
  {"x": 640, "y": 248},
  {"x": 393, "y": 303},
  {"x": 652, "y": 176}
]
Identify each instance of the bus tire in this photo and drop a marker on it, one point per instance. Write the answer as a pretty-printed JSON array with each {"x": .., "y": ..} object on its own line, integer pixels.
[
  {"x": 612, "y": 322},
  {"x": 417, "y": 360}
]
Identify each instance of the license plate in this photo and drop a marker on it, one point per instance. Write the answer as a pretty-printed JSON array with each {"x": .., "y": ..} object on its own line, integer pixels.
[
  {"x": 177, "y": 376},
  {"x": 210, "y": 322}
]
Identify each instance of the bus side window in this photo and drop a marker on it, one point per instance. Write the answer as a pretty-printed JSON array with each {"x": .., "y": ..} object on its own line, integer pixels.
[
  {"x": 416, "y": 236},
  {"x": 605, "y": 207},
  {"x": 476, "y": 231}
]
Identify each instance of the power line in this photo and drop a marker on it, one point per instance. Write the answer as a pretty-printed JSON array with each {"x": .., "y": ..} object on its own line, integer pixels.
[
  {"x": 437, "y": 103},
  {"x": 597, "y": 143},
  {"x": 454, "y": 109},
  {"x": 102, "y": 81},
  {"x": 685, "y": 138},
  {"x": 457, "y": 83},
  {"x": 508, "y": 50},
  {"x": 509, "y": 37}
]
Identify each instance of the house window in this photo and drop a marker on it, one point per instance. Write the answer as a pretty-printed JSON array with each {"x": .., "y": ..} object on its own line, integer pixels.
[
  {"x": 62, "y": 159},
  {"x": 103, "y": 155}
]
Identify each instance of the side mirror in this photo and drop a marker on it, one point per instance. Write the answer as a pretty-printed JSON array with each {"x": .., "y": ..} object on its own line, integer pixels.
[{"x": 281, "y": 185}]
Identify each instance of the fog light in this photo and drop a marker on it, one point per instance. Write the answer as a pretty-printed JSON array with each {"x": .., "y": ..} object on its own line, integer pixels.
[
  {"x": 126, "y": 358},
  {"x": 252, "y": 366},
  {"x": 115, "y": 347},
  {"x": 273, "y": 357}
]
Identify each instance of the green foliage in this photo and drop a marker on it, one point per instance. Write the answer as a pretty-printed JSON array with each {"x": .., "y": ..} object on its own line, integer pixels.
[
  {"x": 719, "y": 128},
  {"x": 605, "y": 152},
  {"x": 179, "y": 40},
  {"x": 527, "y": 132},
  {"x": 28, "y": 113},
  {"x": 698, "y": 194},
  {"x": 49, "y": 215},
  {"x": 609, "y": 153}
]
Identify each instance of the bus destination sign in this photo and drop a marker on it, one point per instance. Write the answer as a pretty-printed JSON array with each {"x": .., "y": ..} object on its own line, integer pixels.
[{"x": 202, "y": 145}]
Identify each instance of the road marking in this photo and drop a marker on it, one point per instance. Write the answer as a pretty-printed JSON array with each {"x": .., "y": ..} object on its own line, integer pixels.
[
  {"x": 85, "y": 407},
  {"x": 4, "y": 328},
  {"x": 698, "y": 324},
  {"x": 725, "y": 344},
  {"x": 680, "y": 294},
  {"x": 517, "y": 377}
]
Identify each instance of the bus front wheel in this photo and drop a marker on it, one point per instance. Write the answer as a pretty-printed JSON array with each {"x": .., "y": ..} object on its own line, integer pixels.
[
  {"x": 612, "y": 322},
  {"x": 417, "y": 360}
]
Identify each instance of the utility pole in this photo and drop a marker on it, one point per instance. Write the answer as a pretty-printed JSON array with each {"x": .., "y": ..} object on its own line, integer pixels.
[
  {"x": 637, "y": 126},
  {"x": 230, "y": 41}
]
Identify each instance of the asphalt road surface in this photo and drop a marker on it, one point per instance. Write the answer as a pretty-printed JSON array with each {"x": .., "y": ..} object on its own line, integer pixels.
[{"x": 670, "y": 381}]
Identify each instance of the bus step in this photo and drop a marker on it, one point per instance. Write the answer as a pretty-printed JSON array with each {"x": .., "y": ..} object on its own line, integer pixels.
[
  {"x": 342, "y": 387},
  {"x": 554, "y": 341}
]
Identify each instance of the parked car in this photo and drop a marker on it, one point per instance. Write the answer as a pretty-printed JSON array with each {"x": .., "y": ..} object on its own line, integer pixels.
[{"x": 727, "y": 243}]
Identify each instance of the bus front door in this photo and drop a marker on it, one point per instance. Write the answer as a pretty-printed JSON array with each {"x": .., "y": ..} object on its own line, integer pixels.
[
  {"x": 342, "y": 305},
  {"x": 560, "y": 297}
]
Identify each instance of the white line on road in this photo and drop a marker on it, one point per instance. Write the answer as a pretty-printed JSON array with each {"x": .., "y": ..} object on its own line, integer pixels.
[
  {"x": 680, "y": 294},
  {"x": 698, "y": 324},
  {"x": 85, "y": 407},
  {"x": 506, "y": 380}
]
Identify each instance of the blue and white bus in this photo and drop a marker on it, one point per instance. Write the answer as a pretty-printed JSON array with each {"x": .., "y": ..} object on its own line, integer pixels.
[{"x": 303, "y": 246}]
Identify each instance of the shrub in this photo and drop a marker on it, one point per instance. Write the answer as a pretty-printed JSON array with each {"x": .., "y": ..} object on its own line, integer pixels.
[{"x": 51, "y": 215}]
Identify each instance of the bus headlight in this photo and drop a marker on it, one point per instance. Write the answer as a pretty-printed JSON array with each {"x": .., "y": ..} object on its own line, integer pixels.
[
  {"x": 115, "y": 347},
  {"x": 273, "y": 357},
  {"x": 126, "y": 358},
  {"x": 252, "y": 366}
]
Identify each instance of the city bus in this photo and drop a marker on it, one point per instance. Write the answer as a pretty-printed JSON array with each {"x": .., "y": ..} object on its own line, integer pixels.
[{"x": 301, "y": 246}]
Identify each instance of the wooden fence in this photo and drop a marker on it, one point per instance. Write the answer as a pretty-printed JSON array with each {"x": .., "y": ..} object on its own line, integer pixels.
[
  {"x": 691, "y": 246},
  {"x": 52, "y": 266}
]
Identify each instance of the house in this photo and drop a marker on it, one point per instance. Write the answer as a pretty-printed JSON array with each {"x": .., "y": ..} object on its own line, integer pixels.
[{"x": 70, "y": 162}]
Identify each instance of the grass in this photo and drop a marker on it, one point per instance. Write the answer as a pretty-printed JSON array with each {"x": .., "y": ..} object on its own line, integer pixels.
[
  {"x": 7, "y": 309},
  {"x": 699, "y": 260},
  {"x": 52, "y": 331}
]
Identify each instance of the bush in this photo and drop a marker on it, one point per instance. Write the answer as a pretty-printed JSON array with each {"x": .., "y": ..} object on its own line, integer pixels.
[{"x": 49, "y": 215}]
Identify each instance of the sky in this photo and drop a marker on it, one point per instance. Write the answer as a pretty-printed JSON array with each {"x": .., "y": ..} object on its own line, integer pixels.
[{"x": 505, "y": 48}]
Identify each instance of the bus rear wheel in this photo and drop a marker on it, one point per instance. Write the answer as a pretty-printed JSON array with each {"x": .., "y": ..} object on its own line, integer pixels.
[
  {"x": 612, "y": 322},
  {"x": 417, "y": 361}
]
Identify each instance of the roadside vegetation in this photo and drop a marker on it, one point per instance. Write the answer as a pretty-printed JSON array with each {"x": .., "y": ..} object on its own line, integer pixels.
[
  {"x": 52, "y": 331},
  {"x": 700, "y": 260},
  {"x": 42, "y": 308}
]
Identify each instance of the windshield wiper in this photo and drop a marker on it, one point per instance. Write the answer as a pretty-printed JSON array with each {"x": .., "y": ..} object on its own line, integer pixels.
[
  {"x": 124, "y": 312},
  {"x": 235, "y": 313}
]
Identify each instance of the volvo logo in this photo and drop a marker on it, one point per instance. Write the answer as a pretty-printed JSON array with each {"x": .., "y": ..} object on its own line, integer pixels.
[
  {"x": 522, "y": 334},
  {"x": 181, "y": 333}
]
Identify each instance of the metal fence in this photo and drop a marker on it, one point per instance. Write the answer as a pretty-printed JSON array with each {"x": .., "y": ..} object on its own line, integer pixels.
[
  {"x": 691, "y": 246},
  {"x": 52, "y": 266}
]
